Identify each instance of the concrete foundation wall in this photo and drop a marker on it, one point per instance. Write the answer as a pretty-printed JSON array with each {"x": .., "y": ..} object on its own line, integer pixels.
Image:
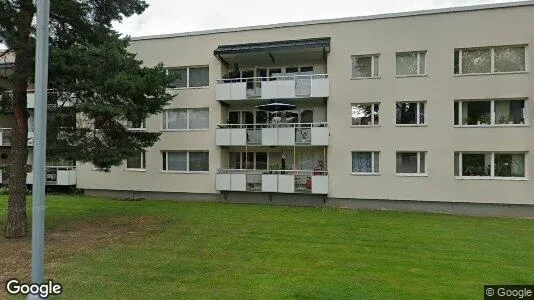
[{"x": 454, "y": 208}]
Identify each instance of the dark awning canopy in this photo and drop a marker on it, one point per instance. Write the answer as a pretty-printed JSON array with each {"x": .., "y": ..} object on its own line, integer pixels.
[{"x": 270, "y": 50}]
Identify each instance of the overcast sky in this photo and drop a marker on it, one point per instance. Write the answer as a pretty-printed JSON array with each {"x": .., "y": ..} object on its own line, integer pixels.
[{"x": 171, "y": 16}]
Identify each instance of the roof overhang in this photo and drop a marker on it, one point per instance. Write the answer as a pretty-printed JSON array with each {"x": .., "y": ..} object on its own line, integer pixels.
[{"x": 314, "y": 48}]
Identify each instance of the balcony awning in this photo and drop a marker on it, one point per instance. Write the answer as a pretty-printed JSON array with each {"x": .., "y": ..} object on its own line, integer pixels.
[{"x": 272, "y": 50}]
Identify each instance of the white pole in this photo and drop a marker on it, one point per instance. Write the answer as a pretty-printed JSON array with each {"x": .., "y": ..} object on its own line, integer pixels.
[{"x": 39, "y": 146}]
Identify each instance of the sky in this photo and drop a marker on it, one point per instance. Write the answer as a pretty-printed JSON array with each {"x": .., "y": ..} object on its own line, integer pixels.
[{"x": 173, "y": 16}]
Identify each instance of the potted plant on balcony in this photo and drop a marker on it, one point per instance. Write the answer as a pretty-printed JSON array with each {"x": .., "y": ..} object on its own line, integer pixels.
[
  {"x": 273, "y": 168},
  {"x": 484, "y": 119}
]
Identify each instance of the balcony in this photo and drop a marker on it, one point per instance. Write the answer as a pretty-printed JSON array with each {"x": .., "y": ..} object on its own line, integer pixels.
[
  {"x": 279, "y": 87},
  {"x": 54, "y": 176},
  {"x": 57, "y": 175},
  {"x": 288, "y": 181},
  {"x": 5, "y": 137},
  {"x": 275, "y": 134}
]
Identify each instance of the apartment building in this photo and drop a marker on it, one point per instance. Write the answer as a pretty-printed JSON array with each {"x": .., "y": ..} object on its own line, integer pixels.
[
  {"x": 418, "y": 110},
  {"x": 58, "y": 173}
]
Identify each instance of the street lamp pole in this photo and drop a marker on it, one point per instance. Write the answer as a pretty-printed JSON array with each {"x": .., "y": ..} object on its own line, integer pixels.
[{"x": 39, "y": 146}]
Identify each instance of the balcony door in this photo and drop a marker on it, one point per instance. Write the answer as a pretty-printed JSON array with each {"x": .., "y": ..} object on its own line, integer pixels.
[{"x": 303, "y": 83}]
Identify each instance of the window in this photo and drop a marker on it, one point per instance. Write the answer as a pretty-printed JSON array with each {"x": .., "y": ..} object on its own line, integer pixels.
[
  {"x": 365, "y": 114},
  {"x": 247, "y": 160},
  {"x": 502, "y": 59},
  {"x": 140, "y": 125},
  {"x": 411, "y": 163},
  {"x": 411, "y": 63},
  {"x": 186, "y": 119},
  {"x": 184, "y": 161},
  {"x": 410, "y": 113},
  {"x": 489, "y": 112},
  {"x": 365, "y": 66},
  {"x": 189, "y": 77},
  {"x": 136, "y": 162},
  {"x": 489, "y": 164},
  {"x": 365, "y": 162}
]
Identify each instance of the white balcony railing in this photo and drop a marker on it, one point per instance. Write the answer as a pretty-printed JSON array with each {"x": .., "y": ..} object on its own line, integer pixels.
[
  {"x": 57, "y": 175},
  {"x": 54, "y": 176},
  {"x": 273, "y": 181},
  {"x": 5, "y": 137},
  {"x": 278, "y": 87},
  {"x": 273, "y": 134}
]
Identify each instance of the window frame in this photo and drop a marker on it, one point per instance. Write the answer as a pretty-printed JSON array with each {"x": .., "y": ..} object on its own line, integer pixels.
[
  {"x": 492, "y": 176},
  {"x": 492, "y": 60},
  {"x": 142, "y": 128},
  {"x": 374, "y": 58},
  {"x": 187, "y": 72},
  {"x": 254, "y": 162},
  {"x": 493, "y": 115},
  {"x": 165, "y": 158},
  {"x": 419, "y": 173},
  {"x": 165, "y": 119},
  {"x": 418, "y": 52},
  {"x": 373, "y": 160},
  {"x": 143, "y": 163},
  {"x": 372, "y": 116},
  {"x": 418, "y": 113}
]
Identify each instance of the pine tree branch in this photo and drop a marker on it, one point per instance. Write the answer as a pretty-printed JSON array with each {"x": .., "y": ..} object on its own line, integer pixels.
[{"x": 6, "y": 52}]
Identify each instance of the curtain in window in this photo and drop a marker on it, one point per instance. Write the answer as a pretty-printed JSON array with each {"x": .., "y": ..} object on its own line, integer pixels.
[
  {"x": 407, "y": 64},
  {"x": 509, "y": 165},
  {"x": 199, "y": 118},
  {"x": 176, "y": 119},
  {"x": 361, "y": 66},
  {"x": 476, "y": 61},
  {"x": 407, "y": 163},
  {"x": 180, "y": 75},
  {"x": 177, "y": 161},
  {"x": 134, "y": 162},
  {"x": 198, "y": 161},
  {"x": 362, "y": 162},
  {"x": 509, "y": 59},
  {"x": 199, "y": 77}
]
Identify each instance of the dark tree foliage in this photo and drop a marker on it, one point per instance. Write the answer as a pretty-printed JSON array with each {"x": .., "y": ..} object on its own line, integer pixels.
[{"x": 98, "y": 84}]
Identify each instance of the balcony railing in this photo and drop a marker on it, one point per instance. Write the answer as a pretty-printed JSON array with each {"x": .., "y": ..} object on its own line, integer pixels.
[
  {"x": 273, "y": 134},
  {"x": 278, "y": 87},
  {"x": 59, "y": 175},
  {"x": 273, "y": 181},
  {"x": 5, "y": 137}
]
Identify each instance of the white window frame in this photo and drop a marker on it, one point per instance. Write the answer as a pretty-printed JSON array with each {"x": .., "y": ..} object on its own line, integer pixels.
[
  {"x": 166, "y": 153},
  {"x": 187, "y": 69},
  {"x": 418, "y": 112},
  {"x": 166, "y": 119},
  {"x": 419, "y": 173},
  {"x": 241, "y": 160},
  {"x": 493, "y": 116},
  {"x": 418, "y": 53},
  {"x": 374, "y": 57},
  {"x": 492, "y": 170},
  {"x": 142, "y": 128},
  {"x": 373, "y": 158},
  {"x": 492, "y": 60},
  {"x": 372, "y": 116},
  {"x": 143, "y": 164}
]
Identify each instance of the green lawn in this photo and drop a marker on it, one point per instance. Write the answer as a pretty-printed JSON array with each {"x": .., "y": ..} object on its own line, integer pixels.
[{"x": 99, "y": 248}]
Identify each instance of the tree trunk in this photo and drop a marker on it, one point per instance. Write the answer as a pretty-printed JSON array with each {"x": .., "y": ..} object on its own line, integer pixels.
[{"x": 16, "y": 222}]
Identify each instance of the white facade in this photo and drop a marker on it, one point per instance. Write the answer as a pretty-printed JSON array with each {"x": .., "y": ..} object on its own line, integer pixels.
[{"x": 424, "y": 106}]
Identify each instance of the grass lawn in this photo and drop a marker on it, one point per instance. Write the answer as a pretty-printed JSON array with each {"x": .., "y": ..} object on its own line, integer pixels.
[{"x": 106, "y": 249}]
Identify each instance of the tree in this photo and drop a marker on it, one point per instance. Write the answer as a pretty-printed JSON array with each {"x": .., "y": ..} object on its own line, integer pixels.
[{"x": 93, "y": 77}]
